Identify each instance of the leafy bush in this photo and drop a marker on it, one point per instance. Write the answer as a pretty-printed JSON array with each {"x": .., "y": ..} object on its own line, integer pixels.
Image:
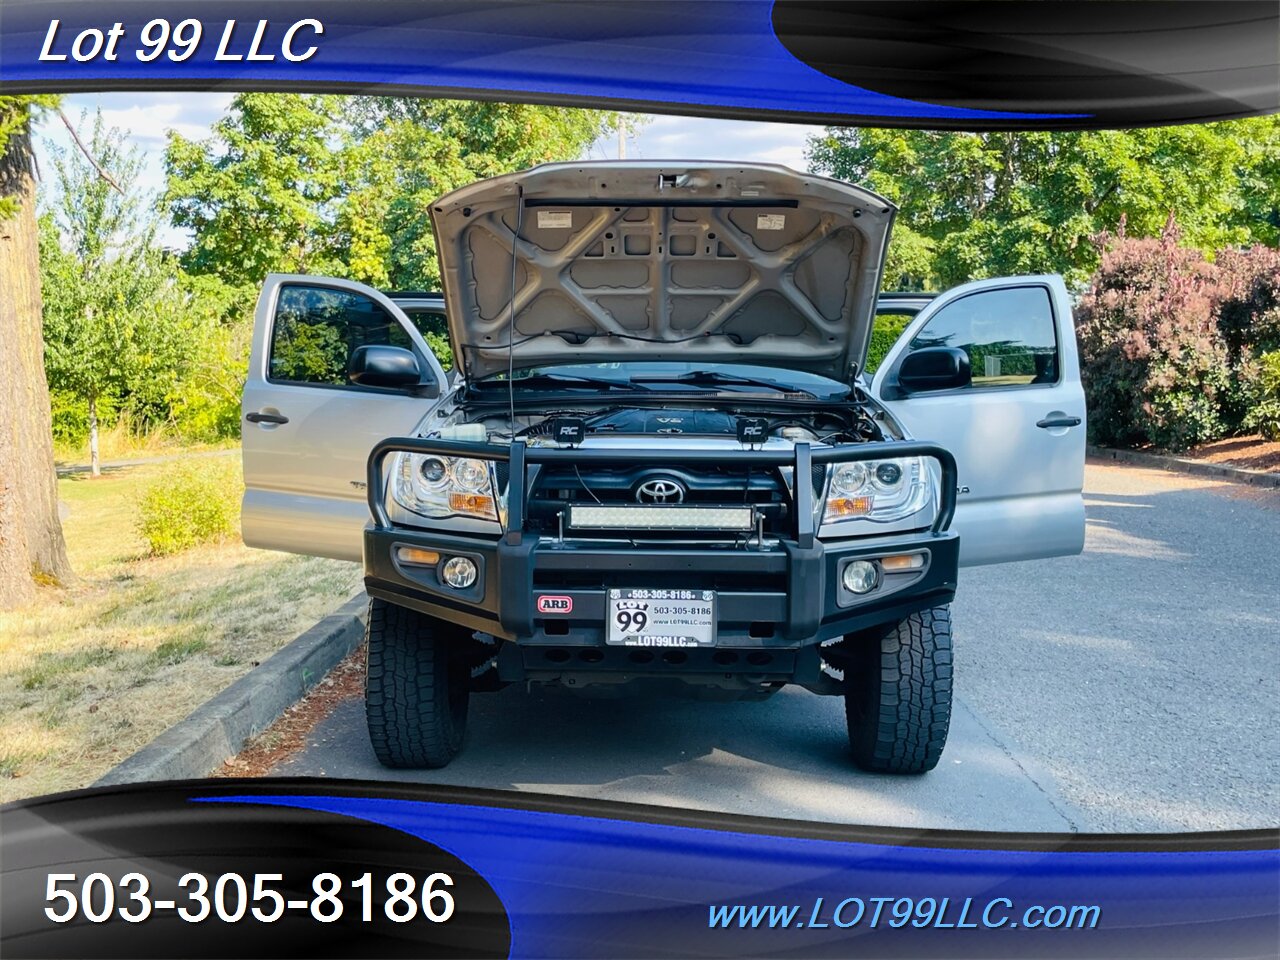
[
  {"x": 205, "y": 405},
  {"x": 1270, "y": 374},
  {"x": 1249, "y": 299},
  {"x": 1155, "y": 367},
  {"x": 1249, "y": 321},
  {"x": 1265, "y": 419},
  {"x": 884, "y": 334},
  {"x": 195, "y": 502},
  {"x": 70, "y": 416},
  {"x": 1264, "y": 416},
  {"x": 206, "y": 417},
  {"x": 439, "y": 344}
]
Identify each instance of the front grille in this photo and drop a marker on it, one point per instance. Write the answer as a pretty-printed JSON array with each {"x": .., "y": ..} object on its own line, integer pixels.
[
  {"x": 622, "y": 484},
  {"x": 818, "y": 473},
  {"x": 760, "y": 489}
]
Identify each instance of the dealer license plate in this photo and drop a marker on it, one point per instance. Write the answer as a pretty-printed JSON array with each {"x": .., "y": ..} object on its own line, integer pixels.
[{"x": 661, "y": 618}]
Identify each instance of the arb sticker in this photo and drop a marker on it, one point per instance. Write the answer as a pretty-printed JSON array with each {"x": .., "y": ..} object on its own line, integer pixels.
[{"x": 555, "y": 604}]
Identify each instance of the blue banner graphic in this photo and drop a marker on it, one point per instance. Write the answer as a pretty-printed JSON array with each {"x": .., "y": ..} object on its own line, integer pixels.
[
  {"x": 1001, "y": 64},
  {"x": 313, "y": 868},
  {"x": 577, "y": 885}
]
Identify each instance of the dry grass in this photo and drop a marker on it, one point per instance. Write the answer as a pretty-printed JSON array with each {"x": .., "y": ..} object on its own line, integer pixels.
[
  {"x": 90, "y": 673},
  {"x": 124, "y": 440}
]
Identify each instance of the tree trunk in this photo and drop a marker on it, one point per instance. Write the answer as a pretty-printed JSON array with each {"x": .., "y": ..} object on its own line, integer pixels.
[
  {"x": 31, "y": 544},
  {"x": 94, "y": 469}
]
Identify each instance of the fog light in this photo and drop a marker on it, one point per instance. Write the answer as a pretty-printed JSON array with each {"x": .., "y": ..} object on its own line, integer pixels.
[
  {"x": 860, "y": 576},
  {"x": 459, "y": 572}
]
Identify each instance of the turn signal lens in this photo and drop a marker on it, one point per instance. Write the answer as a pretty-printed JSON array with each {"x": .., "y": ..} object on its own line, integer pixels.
[
  {"x": 841, "y": 507},
  {"x": 906, "y": 561},
  {"x": 474, "y": 503},
  {"x": 416, "y": 555}
]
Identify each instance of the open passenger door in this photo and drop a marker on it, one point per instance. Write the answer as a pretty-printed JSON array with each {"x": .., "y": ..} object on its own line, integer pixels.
[{"x": 1017, "y": 429}]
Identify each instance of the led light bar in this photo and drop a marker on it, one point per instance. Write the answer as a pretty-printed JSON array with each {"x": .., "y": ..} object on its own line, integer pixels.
[{"x": 658, "y": 517}]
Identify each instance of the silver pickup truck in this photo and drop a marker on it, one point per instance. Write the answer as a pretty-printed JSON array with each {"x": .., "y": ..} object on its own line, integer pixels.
[{"x": 658, "y": 459}]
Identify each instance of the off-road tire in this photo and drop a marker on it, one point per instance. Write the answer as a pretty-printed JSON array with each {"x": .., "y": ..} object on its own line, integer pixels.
[
  {"x": 417, "y": 687},
  {"x": 898, "y": 694}
]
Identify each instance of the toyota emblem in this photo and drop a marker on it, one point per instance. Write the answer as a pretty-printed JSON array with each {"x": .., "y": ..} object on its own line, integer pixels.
[{"x": 661, "y": 490}]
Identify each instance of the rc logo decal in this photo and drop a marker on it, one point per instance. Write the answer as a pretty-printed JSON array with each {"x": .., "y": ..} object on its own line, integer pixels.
[{"x": 548, "y": 604}]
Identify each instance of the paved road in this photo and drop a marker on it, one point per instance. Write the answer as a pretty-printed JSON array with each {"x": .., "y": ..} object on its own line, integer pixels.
[
  {"x": 1132, "y": 688},
  {"x": 1144, "y": 674}
]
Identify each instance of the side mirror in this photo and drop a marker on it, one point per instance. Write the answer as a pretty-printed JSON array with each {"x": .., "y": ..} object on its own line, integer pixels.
[
  {"x": 378, "y": 365},
  {"x": 935, "y": 368}
]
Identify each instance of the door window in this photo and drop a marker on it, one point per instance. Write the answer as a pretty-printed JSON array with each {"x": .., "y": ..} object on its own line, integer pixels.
[
  {"x": 1008, "y": 334},
  {"x": 888, "y": 327},
  {"x": 318, "y": 328},
  {"x": 434, "y": 329}
]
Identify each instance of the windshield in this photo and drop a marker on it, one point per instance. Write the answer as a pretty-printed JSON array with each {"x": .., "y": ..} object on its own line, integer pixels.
[{"x": 683, "y": 375}]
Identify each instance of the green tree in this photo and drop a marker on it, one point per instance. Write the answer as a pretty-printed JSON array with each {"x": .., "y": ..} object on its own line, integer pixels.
[
  {"x": 112, "y": 329},
  {"x": 258, "y": 194},
  {"x": 31, "y": 544},
  {"x": 1260, "y": 180},
  {"x": 342, "y": 185},
  {"x": 988, "y": 204},
  {"x": 204, "y": 404},
  {"x": 407, "y": 152}
]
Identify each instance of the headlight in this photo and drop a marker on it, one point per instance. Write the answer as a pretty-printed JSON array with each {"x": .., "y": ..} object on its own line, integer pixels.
[
  {"x": 877, "y": 490},
  {"x": 443, "y": 486}
]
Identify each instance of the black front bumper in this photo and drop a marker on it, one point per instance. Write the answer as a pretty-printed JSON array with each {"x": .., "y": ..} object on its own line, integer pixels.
[
  {"x": 774, "y": 603},
  {"x": 781, "y": 596}
]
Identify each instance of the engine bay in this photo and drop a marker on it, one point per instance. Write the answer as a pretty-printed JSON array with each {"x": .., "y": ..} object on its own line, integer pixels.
[
  {"x": 649, "y": 428},
  {"x": 844, "y": 423}
]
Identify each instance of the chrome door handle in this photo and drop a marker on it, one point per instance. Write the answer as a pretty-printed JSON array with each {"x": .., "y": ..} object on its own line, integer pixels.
[
  {"x": 1048, "y": 423},
  {"x": 256, "y": 417}
]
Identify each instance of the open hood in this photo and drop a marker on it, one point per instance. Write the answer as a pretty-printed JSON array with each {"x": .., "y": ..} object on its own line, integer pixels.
[{"x": 661, "y": 260}]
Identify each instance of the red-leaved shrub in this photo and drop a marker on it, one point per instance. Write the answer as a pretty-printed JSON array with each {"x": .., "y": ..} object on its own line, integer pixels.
[
  {"x": 1249, "y": 299},
  {"x": 1155, "y": 367},
  {"x": 1249, "y": 321}
]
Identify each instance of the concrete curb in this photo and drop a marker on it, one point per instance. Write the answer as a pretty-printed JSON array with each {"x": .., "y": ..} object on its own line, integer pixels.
[
  {"x": 195, "y": 747},
  {"x": 1257, "y": 478}
]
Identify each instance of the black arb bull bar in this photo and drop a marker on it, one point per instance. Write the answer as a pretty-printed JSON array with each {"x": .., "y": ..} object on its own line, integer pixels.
[{"x": 505, "y": 602}]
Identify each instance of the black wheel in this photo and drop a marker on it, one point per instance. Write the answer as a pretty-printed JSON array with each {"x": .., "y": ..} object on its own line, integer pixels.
[
  {"x": 417, "y": 686},
  {"x": 898, "y": 694}
]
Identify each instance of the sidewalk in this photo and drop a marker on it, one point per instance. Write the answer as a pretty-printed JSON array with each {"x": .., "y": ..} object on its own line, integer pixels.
[{"x": 66, "y": 470}]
